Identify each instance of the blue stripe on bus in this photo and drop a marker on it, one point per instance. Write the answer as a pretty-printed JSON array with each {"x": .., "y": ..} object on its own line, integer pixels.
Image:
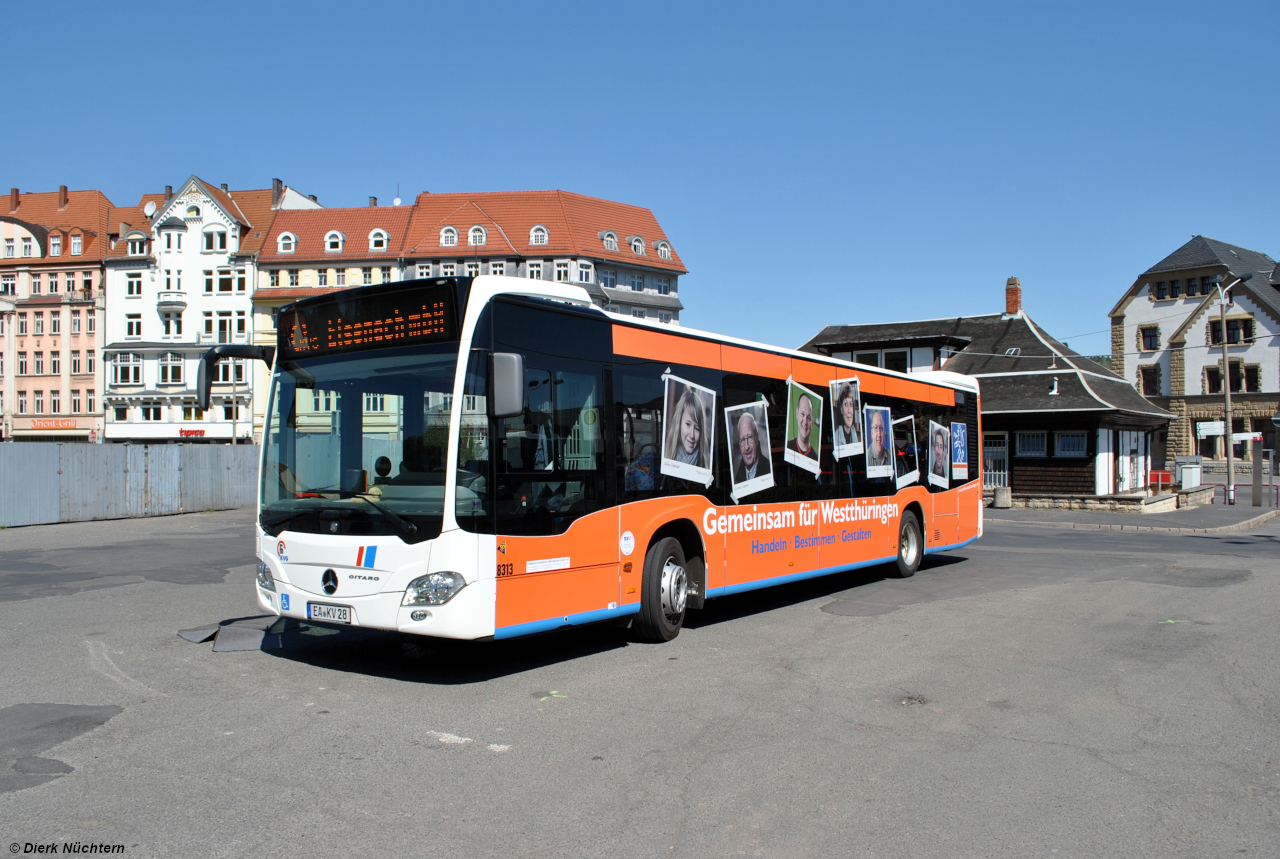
[
  {"x": 950, "y": 547},
  {"x": 563, "y": 621},
  {"x": 793, "y": 577}
]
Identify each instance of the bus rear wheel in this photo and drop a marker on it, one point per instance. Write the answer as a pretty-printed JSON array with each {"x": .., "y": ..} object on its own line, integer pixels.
[
  {"x": 910, "y": 546},
  {"x": 664, "y": 591}
]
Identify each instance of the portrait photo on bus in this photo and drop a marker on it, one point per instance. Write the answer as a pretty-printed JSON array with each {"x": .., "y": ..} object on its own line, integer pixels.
[
  {"x": 960, "y": 451},
  {"x": 687, "y": 430},
  {"x": 747, "y": 437},
  {"x": 939, "y": 454},
  {"x": 804, "y": 427},
  {"x": 905, "y": 456},
  {"x": 879, "y": 457},
  {"x": 846, "y": 418}
]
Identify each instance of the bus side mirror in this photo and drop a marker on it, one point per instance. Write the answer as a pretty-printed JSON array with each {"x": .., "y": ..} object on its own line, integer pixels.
[
  {"x": 506, "y": 398},
  {"x": 204, "y": 375}
]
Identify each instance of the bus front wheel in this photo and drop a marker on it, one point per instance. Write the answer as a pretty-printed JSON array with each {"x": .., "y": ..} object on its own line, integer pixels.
[
  {"x": 910, "y": 546},
  {"x": 664, "y": 590}
]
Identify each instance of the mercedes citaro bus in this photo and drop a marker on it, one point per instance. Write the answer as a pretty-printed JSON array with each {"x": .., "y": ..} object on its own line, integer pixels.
[{"x": 492, "y": 457}]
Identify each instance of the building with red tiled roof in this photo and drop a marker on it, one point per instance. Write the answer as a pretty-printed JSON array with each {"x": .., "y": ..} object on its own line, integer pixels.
[
  {"x": 180, "y": 278},
  {"x": 52, "y": 251}
]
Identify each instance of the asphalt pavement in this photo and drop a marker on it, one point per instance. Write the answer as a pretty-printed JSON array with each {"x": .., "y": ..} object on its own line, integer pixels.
[{"x": 1044, "y": 692}]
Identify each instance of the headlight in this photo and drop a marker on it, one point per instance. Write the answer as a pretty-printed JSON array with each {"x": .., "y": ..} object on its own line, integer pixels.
[
  {"x": 265, "y": 580},
  {"x": 433, "y": 589}
]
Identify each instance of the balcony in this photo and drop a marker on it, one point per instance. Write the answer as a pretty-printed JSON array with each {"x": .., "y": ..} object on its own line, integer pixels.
[{"x": 171, "y": 299}]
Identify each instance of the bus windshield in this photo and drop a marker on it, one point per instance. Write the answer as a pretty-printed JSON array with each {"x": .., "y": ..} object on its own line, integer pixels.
[{"x": 356, "y": 443}]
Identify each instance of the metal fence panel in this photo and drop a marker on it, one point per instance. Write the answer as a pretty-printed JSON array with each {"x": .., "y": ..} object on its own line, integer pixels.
[
  {"x": 28, "y": 484},
  {"x": 135, "y": 470},
  {"x": 164, "y": 480},
  {"x": 92, "y": 483}
]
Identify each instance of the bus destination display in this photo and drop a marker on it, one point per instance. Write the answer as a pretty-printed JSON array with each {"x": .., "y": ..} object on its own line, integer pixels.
[{"x": 372, "y": 322}]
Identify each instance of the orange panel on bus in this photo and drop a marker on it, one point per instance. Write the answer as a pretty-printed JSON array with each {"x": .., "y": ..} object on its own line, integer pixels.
[
  {"x": 809, "y": 373},
  {"x": 657, "y": 346},
  {"x": 560, "y": 593},
  {"x": 908, "y": 390},
  {"x": 753, "y": 363}
]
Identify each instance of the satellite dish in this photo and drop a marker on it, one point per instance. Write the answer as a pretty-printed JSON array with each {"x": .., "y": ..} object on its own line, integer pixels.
[
  {"x": 150, "y": 209},
  {"x": 396, "y": 201}
]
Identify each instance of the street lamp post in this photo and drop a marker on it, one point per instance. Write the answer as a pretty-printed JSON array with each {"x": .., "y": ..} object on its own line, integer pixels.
[{"x": 1226, "y": 383}]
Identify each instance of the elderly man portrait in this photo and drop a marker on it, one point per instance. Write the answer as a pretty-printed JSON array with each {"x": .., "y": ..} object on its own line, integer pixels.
[{"x": 752, "y": 463}]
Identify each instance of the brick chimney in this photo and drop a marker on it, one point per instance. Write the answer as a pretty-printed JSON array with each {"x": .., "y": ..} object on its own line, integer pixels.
[
  {"x": 224, "y": 186},
  {"x": 277, "y": 191},
  {"x": 62, "y": 196},
  {"x": 312, "y": 198},
  {"x": 1012, "y": 297},
  {"x": 168, "y": 193},
  {"x": 13, "y": 199},
  {"x": 373, "y": 202}
]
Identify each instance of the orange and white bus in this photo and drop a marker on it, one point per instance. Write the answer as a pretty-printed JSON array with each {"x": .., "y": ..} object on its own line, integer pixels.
[{"x": 496, "y": 457}]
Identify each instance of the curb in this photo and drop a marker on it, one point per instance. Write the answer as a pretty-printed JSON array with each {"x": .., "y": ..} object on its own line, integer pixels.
[{"x": 1081, "y": 526}]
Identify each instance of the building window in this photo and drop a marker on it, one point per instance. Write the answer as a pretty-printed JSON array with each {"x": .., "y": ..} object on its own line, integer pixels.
[
  {"x": 1150, "y": 379},
  {"x": 1252, "y": 380},
  {"x": 53, "y": 282},
  {"x": 193, "y": 211},
  {"x": 75, "y": 362},
  {"x": 1150, "y": 339},
  {"x": 447, "y": 269},
  {"x": 55, "y": 363},
  {"x": 608, "y": 278},
  {"x": 88, "y": 401},
  {"x": 22, "y": 323},
  {"x": 126, "y": 369},
  {"x": 1031, "y": 444},
  {"x": 39, "y": 363},
  {"x": 137, "y": 247},
  {"x": 498, "y": 268},
  {"x": 231, "y": 413},
  {"x": 55, "y": 246},
  {"x": 171, "y": 368},
  {"x": 225, "y": 371},
  {"x": 26, "y": 247},
  {"x": 293, "y": 277},
  {"x": 172, "y": 324},
  {"x": 386, "y": 274},
  {"x": 22, "y": 363},
  {"x": 535, "y": 271},
  {"x": 333, "y": 242},
  {"x": 133, "y": 284},
  {"x": 90, "y": 364},
  {"x": 340, "y": 277},
  {"x": 287, "y": 243},
  {"x": 611, "y": 241},
  {"x": 8, "y": 248},
  {"x": 75, "y": 401},
  {"x": 375, "y": 403},
  {"x": 55, "y": 402},
  {"x": 86, "y": 280},
  {"x": 636, "y": 282},
  {"x": 1161, "y": 290},
  {"x": 637, "y": 245},
  {"x": 473, "y": 269},
  {"x": 240, "y": 323},
  {"x": 664, "y": 318},
  {"x": 1207, "y": 285},
  {"x": 562, "y": 272},
  {"x": 448, "y": 237},
  {"x": 35, "y": 284},
  {"x": 122, "y": 413},
  {"x": 1175, "y": 289},
  {"x": 538, "y": 235},
  {"x": 476, "y": 236},
  {"x": 39, "y": 401},
  {"x": 366, "y": 276},
  {"x": 191, "y": 413},
  {"x": 8, "y": 284},
  {"x": 22, "y": 402},
  {"x": 151, "y": 411},
  {"x": 55, "y": 322},
  {"x": 322, "y": 277},
  {"x": 663, "y": 285},
  {"x": 240, "y": 280},
  {"x": 424, "y": 270},
  {"x": 38, "y": 318},
  {"x": 637, "y": 313},
  {"x": 664, "y": 250},
  {"x": 215, "y": 240},
  {"x": 224, "y": 280},
  {"x": 1212, "y": 380},
  {"x": 584, "y": 272},
  {"x": 208, "y": 281},
  {"x": 378, "y": 240},
  {"x": 133, "y": 325},
  {"x": 273, "y": 278}
]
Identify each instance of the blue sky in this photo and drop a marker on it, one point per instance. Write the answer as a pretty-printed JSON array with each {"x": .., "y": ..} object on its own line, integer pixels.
[{"x": 812, "y": 164}]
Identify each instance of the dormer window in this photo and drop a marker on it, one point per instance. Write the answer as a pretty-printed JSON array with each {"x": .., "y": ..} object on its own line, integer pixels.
[
  {"x": 193, "y": 211},
  {"x": 378, "y": 240},
  {"x": 77, "y": 244},
  {"x": 448, "y": 237},
  {"x": 55, "y": 246},
  {"x": 287, "y": 243},
  {"x": 538, "y": 235},
  {"x": 637, "y": 246},
  {"x": 333, "y": 241},
  {"x": 477, "y": 236},
  {"x": 215, "y": 239},
  {"x": 137, "y": 246},
  {"x": 664, "y": 250},
  {"x": 26, "y": 247},
  {"x": 611, "y": 241}
]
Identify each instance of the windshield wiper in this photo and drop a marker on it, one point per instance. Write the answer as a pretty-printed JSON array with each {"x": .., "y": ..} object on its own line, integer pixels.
[{"x": 403, "y": 524}]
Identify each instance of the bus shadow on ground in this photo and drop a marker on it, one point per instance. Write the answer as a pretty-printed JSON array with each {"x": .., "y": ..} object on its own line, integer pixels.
[{"x": 436, "y": 661}]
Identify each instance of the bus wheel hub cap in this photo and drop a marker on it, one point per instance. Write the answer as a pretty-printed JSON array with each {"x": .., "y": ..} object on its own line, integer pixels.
[{"x": 675, "y": 588}]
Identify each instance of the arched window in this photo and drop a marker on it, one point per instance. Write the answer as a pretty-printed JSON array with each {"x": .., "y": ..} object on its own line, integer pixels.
[
  {"x": 215, "y": 239},
  {"x": 333, "y": 241},
  {"x": 137, "y": 244},
  {"x": 287, "y": 243},
  {"x": 664, "y": 250},
  {"x": 611, "y": 241},
  {"x": 378, "y": 240},
  {"x": 477, "y": 236},
  {"x": 193, "y": 211},
  {"x": 637, "y": 245},
  {"x": 538, "y": 235},
  {"x": 448, "y": 237},
  {"x": 171, "y": 368}
]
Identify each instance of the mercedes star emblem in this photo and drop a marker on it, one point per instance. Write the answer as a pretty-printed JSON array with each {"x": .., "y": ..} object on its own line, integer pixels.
[{"x": 329, "y": 581}]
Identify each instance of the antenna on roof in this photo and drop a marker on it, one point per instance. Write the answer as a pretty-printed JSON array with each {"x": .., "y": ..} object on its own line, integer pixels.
[{"x": 396, "y": 201}]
